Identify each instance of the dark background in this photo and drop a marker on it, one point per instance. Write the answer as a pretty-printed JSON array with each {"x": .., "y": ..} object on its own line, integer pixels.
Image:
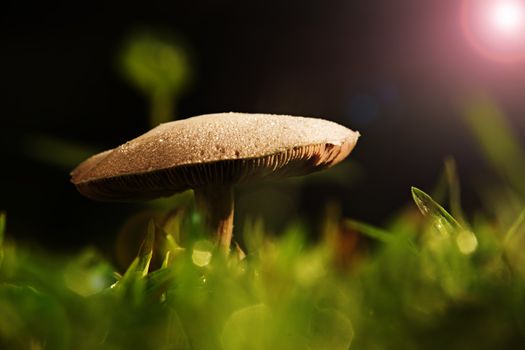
[{"x": 397, "y": 71}]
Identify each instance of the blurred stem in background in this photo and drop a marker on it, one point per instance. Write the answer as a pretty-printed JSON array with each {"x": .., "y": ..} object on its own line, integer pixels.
[
  {"x": 162, "y": 108},
  {"x": 497, "y": 140},
  {"x": 159, "y": 67},
  {"x": 501, "y": 148}
]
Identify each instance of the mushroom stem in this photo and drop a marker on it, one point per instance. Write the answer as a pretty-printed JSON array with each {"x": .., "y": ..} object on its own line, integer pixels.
[{"x": 215, "y": 203}]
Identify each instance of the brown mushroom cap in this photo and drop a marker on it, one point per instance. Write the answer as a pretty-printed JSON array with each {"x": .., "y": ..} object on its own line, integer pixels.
[{"x": 223, "y": 148}]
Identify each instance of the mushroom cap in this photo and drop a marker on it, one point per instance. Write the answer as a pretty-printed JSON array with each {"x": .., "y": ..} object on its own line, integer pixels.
[{"x": 212, "y": 149}]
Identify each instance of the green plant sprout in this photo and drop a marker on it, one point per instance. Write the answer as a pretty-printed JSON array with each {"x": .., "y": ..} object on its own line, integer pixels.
[{"x": 159, "y": 67}]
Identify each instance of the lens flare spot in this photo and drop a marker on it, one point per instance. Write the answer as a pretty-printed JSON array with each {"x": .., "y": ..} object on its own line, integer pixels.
[
  {"x": 496, "y": 28},
  {"x": 507, "y": 16}
]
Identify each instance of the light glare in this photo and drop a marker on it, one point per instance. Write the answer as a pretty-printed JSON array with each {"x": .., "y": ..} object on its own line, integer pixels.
[
  {"x": 496, "y": 28},
  {"x": 507, "y": 16}
]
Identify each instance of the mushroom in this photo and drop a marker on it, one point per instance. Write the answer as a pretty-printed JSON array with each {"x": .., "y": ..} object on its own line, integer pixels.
[{"x": 210, "y": 154}]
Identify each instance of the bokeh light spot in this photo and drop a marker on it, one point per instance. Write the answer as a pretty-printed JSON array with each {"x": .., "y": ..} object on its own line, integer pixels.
[
  {"x": 202, "y": 253},
  {"x": 467, "y": 242}
]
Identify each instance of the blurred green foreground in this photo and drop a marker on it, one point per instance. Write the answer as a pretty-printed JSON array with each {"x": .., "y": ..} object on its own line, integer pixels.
[
  {"x": 432, "y": 283},
  {"x": 429, "y": 280}
]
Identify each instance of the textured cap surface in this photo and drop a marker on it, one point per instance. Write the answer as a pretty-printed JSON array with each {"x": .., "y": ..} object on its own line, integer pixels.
[{"x": 213, "y": 148}]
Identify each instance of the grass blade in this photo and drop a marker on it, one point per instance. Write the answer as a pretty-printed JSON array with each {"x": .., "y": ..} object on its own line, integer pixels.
[
  {"x": 454, "y": 191},
  {"x": 55, "y": 151},
  {"x": 520, "y": 220},
  {"x": 379, "y": 234},
  {"x": 2, "y": 228},
  {"x": 2, "y": 233},
  {"x": 146, "y": 250},
  {"x": 370, "y": 231},
  {"x": 429, "y": 208},
  {"x": 488, "y": 123},
  {"x": 133, "y": 282}
]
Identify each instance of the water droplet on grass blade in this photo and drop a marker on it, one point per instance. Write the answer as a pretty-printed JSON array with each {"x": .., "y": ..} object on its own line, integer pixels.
[
  {"x": 467, "y": 242},
  {"x": 430, "y": 208}
]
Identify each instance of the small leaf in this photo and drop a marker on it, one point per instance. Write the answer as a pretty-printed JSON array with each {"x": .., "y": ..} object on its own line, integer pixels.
[
  {"x": 167, "y": 260},
  {"x": 174, "y": 220},
  {"x": 239, "y": 254},
  {"x": 158, "y": 282},
  {"x": 515, "y": 227},
  {"x": 172, "y": 246},
  {"x": 133, "y": 282},
  {"x": 146, "y": 250},
  {"x": 379, "y": 234},
  {"x": 454, "y": 190},
  {"x": 429, "y": 208},
  {"x": 129, "y": 275},
  {"x": 132, "y": 285},
  {"x": 513, "y": 243},
  {"x": 370, "y": 231}
]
